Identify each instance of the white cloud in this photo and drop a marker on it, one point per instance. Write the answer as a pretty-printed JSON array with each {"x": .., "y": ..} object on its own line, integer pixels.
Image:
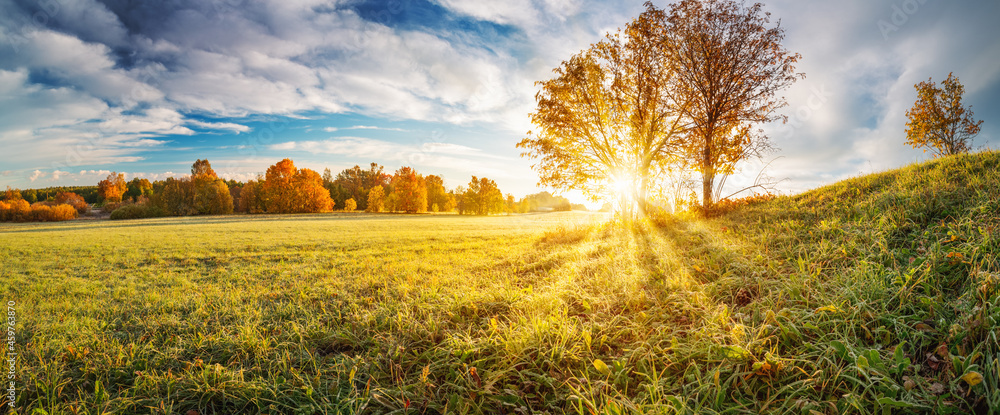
[{"x": 236, "y": 128}]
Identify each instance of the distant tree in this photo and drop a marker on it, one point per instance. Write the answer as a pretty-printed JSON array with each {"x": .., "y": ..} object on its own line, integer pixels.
[
  {"x": 12, "y": 195},
  {"x": 287, "y": 189},
  {"x": 312, "y": 196},
  {"x": 483, "y": 197},
  {"x": 511, "y": 204},
  {"x": 234, "y": 192},
  {"x": 251, "y": 197},
  {"x": 279, "y": 187},
  {"x": 72, "y": 199},
  {"x": 938, "y": 121},
  {"x": 350, "y": 205},
  {"x": 211, "y": 195},
  {"x": 31, "y": 195},
  {"x": 176, "y": 197},
  {"x": 112, "y": 188},
  {"x": 355, "y": 183},
  {"x": 202, "y": 167},
  {"x": 729, "y": 65},
  {"x": 410, "y": 191},
  {"x": 436, "y": 193},
  {"x": 138, "y": 187},
  {"x": 376, "y": 199},
  {"x": 458, "y": 195},
  {"x": 545, "y": 201}
]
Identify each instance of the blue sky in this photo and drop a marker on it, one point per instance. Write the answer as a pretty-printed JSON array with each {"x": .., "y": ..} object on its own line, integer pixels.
[{"x": 445, "y": 86}]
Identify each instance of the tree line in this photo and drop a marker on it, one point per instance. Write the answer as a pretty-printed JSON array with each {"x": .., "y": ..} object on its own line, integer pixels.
[{"x": 285, "y": 188}]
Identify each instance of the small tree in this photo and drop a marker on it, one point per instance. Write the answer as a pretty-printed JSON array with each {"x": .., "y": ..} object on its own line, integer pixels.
[
  {"x": 938, "y": 121},
  {"x": 138, "y": 187},
  {"x": 350, "y": 205},
  {"x": 12, "y": 194},
  {"x": 113, "y": 188},
  {"x": 376, "y": 199}
]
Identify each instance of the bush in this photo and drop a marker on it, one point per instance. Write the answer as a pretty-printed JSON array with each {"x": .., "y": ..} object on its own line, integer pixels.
[
  {"x": 64, "y": 212},
  {"x": 41, "y": 212},
  {"x": 137, "y": 212},
  {"x": 74, "y": 200},
  {"x": 110, "y": 206},
  {"x": 17, "y": 210},
  {"x": 350, "y": 205},
  {"x": 20, "y": 211}
]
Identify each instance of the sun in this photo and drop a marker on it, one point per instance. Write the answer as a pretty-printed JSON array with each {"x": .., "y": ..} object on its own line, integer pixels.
[{"x": 623, "y": 187}]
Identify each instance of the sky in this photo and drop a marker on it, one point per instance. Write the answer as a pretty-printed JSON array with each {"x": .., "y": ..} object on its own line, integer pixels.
[{"x": 445, "y": 86}]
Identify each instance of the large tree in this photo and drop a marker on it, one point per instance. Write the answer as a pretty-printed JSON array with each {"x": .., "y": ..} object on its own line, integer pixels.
[
  {"x": 607, "y": 122},
  {"x": 729, "y": 65},
  {"x": 939, "y": 121}
]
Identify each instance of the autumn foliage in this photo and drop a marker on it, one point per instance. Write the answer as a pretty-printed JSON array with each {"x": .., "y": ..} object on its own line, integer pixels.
[
  {"x": 376, "y": 199},
  {"x": 483, "y": 197},
  {"x": 409, "y": 190},
  {"x": 112, "y": 188},
  {"x": 74, "y": 200},
  {"x": 19, "y": 210},
  {"x": 938, "y": 121},
  {"x": 677, "y": 89},
  {"x": 287, "y": 189}
]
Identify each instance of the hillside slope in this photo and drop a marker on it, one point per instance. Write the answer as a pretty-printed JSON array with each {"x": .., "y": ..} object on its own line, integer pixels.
[{"x": 877, "y": 292}]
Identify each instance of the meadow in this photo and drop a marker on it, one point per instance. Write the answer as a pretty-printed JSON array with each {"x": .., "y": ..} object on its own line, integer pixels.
[{"x": 877, "y": 294}]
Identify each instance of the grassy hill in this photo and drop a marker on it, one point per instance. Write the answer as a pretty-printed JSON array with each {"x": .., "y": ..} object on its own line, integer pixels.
[{"x": 874, "y": 294}]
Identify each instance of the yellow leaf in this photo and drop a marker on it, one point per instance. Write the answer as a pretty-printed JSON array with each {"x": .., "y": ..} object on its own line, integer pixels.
[
  {"x": 601, "y": 367},
  {"x": 972, "y": 378},
  {"x": 829, "y": 309}
]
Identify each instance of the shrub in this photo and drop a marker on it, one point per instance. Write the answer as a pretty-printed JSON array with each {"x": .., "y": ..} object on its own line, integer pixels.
[
  {"x": 17, "y": 210},
  {"x": 109, "y": 206},
  {"x": 74, "y": 200},
  {"x": 137, "y": 212},
  {"x": 42, "y": 212},
  {"x": 64, "y": 212},
  {"x": 20, "y": 211},
  {"x": 350, "y": 205}
]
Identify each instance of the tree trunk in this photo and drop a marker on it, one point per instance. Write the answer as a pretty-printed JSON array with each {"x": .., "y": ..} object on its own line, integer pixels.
[
  {"x": 643, "y": 195},
  {"x": 707, "y": 175},
  {"x": 707, "y": 183}
]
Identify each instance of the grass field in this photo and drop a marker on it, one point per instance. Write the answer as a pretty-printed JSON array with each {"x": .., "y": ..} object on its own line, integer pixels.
[{"x": 877, "y": 294}]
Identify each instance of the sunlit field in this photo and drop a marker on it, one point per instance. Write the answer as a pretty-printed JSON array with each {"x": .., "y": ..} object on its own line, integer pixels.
[{"x": 874, "y": 294}]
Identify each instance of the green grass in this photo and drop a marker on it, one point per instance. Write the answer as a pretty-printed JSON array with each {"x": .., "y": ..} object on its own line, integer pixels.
[{"x": 873, "y": 295}]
